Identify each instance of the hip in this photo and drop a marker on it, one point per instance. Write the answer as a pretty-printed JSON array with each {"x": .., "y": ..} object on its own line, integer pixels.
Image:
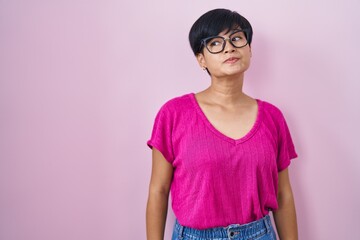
[{"x": 261, "y": 229}]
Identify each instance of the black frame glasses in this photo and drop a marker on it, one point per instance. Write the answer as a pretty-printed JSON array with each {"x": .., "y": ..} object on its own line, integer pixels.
[{"x": 234, "y": 39}]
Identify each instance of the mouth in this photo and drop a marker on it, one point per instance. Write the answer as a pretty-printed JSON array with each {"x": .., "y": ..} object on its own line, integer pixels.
[{"x": 231, "y": 60}]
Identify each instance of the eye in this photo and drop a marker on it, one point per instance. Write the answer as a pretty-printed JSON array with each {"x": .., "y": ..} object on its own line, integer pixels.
[
  {"x": 214, "y": 42},
  {"x": 236, "y": 38}
]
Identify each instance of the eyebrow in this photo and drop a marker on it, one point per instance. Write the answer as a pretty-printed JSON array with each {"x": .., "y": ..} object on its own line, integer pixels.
[{"x": 231, "y": 31}]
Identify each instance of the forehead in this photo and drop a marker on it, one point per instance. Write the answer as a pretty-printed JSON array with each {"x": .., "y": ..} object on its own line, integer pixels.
[{"x": 229, "y": 31}]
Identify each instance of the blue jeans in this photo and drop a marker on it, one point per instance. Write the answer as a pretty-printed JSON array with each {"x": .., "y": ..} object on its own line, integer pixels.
[{"x": 261, "y": 229}]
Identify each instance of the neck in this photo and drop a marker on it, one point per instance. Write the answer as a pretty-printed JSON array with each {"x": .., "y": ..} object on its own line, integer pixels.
[{"x": 227, "y": 90}]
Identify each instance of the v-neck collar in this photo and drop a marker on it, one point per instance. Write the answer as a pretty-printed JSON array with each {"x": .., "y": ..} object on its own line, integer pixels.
[{"x": 247, "y": 136}]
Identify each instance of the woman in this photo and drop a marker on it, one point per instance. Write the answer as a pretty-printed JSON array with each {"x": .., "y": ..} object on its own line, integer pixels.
[{"x": 223, "y": 154}]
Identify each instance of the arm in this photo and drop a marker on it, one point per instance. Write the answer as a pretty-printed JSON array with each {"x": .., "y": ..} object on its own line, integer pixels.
[
  {"x": 157, "y": 205},
  {"x": 285, "y": 215}
]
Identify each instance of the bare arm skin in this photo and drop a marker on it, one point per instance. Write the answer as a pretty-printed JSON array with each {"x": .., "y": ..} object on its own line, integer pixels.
[
  {"x": 285, "y": 215},
  {"x": 157, "y": 205}
]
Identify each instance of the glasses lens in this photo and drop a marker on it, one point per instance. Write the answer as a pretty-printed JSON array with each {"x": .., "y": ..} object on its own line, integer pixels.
[
  {"x": 215, "y": 44},
  {"x": 238, "y": 39}
]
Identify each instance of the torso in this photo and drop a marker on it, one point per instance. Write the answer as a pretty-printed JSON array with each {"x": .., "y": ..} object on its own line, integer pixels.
[
  {"x": 234, "y": 122},
  {"x": 221, "y": 179}
]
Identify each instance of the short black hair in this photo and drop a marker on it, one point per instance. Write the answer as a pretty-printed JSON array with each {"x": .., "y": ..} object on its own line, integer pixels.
[{"x": 214, "y": 22}]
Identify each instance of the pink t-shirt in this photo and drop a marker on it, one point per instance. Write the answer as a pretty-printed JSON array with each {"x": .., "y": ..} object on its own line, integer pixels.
[{"x": 218, "y": 180}]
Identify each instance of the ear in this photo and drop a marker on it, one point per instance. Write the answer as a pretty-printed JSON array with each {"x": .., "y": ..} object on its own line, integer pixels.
[
  {"x": 201, "y": 60},
  {"x": 250, "y": 51}
]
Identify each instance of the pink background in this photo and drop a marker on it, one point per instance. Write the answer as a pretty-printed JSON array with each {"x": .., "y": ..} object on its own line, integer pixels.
[{"x": 81, "y": 82}]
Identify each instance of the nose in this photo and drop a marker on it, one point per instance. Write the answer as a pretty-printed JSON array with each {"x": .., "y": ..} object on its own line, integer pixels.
[{"x": 228, "y": 46}]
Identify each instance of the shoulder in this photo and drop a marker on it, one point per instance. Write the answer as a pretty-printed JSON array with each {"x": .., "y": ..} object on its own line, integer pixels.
[
  {"x": 271, "y": 110},
  {"x": 177, "y": 103},
  {"x": 174, "y": 110},
  {"x": 272, "y": 116},
  {"x": 274, "y": 120}
]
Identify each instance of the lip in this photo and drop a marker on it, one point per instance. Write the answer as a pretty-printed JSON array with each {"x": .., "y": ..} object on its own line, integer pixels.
[{"x": 231, "y": 60}]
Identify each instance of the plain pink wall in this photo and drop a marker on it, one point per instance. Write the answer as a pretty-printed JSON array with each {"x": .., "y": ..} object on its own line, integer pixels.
[{"x": 81, "y": 82}]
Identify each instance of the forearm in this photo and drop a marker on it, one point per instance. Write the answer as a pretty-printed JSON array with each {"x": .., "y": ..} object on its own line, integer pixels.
[
  {"x": 156, "y": 213},
  {"x": 285, "y": 218}
]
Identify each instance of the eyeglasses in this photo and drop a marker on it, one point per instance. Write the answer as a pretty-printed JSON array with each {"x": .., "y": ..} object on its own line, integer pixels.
[{"x": 216, "y": 44}]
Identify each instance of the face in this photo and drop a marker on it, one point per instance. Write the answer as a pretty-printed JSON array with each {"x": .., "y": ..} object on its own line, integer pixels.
[{"x": 231, "y": 61}]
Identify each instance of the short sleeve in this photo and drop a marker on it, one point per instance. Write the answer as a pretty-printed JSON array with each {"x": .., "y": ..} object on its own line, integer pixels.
[
  {"x": 286, "y": 148},
  {"x": 161, "y": 136}
]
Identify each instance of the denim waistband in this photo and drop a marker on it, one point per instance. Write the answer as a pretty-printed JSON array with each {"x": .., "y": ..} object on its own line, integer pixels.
[{"x": 251, "y": 229}]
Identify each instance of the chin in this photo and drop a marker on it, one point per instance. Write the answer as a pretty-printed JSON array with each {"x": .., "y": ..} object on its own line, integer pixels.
[
  {"x": 228, "y": 74},
  {"x": 231, "y": 71},
  {"x": 235, "y": 72}
]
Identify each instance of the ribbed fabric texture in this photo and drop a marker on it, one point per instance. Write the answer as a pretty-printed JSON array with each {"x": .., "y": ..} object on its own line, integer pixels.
[{"x": 218, "y": 180}]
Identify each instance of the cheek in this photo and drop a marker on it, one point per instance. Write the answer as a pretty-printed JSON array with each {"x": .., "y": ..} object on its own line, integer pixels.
[
  {"x": 212, "y": 61},
  {"x": 247, "y": 57}
]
